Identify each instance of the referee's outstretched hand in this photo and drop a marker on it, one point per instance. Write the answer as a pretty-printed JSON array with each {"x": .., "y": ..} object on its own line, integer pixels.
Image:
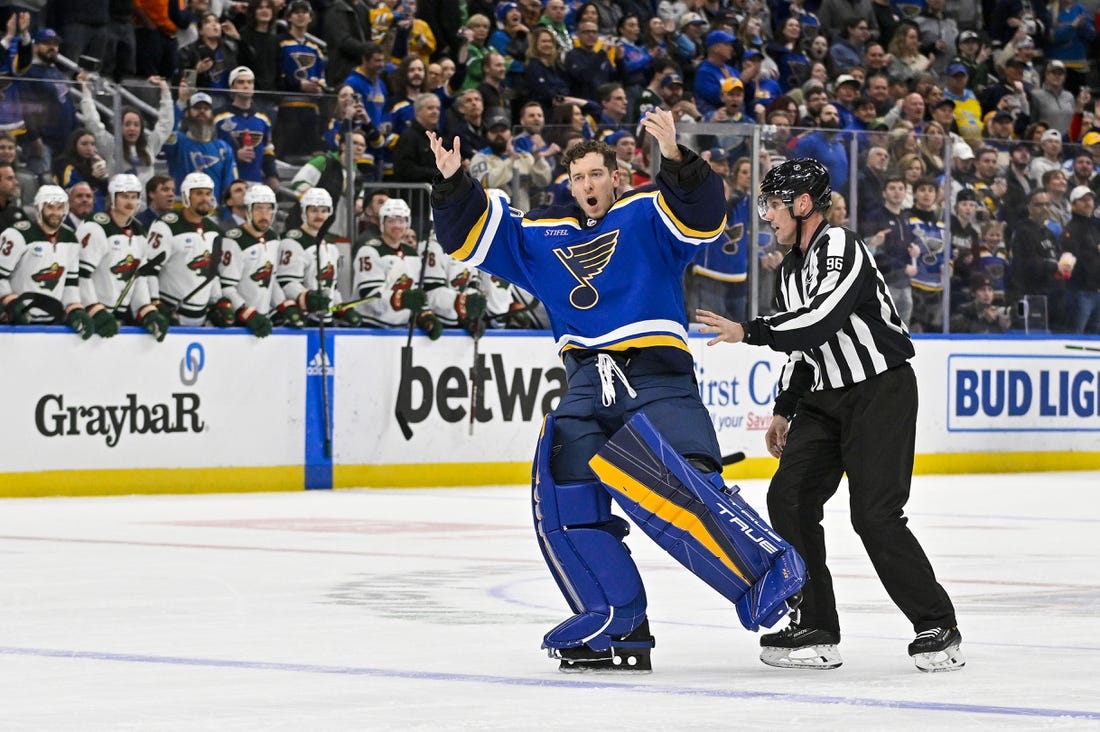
[
  {"x": 726, "y": 330},
  {"x": 448, "y": 161}
]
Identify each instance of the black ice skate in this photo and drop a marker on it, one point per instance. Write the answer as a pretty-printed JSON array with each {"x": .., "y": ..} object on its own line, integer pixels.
[
  {"x": 937, "y": 650},
  {"x": 629, "y": 654},
  {"x": 798, "y": 647}
]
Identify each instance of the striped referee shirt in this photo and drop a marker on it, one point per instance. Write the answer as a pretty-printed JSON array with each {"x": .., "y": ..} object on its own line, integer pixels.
[{"x": 836, "y": 319}]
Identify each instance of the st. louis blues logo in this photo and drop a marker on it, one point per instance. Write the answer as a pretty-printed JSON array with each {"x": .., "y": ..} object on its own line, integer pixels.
[
  {"x": 303, "y": 62},
  {"x": 585, "y": 261},
  {"x": 734, "y": 234},
  {"x": 201, "y": 161}
]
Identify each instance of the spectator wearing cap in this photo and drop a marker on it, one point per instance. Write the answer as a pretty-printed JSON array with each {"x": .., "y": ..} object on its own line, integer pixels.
[
  {"x": 688, "y": 48},
  {"x": 760, "y": 90},
  {"x": 499, "y": 165},
  {"x": 510, "y": 39},
  {"x": 247, "y": 131},
  {"x": 713, "y": 70},
  {"x": 302, "y": 81},
  {"x": 212, "y": 56},
  {"x": 1011, "y": 95},
  {"x": 938, "y": 32},
  {"x": 1053, "y": 102},
  {"x": 1081, "y": 241},
  {"x": 965, "y": 226},
  {"x": 1091, "y": 143},
  {"x": 1018, "y": 181},
  {"x": 967, "y": 110},
  {"x": 346, "y": 30},
  {"x": 1072, "y": 30},
  {"x": 664, "y": 90},
  {"x": 1034, "y": 252},
  {"x": 976, "y": 57},
  {"x": 847, "y": 50},
  {"x": 194, "y": 147},
  {"x": 786, "y": 51},
  {"x": 1050, "y": 155},
  {"x": 1080, "y": 170},
  {"x": 978, "y": 313},
  {"x": 588, "y": 66},
  {"x": 1000, "y": 136},
  {"x": 49, "y": 107},
  {"x": 845, "y": 90}
]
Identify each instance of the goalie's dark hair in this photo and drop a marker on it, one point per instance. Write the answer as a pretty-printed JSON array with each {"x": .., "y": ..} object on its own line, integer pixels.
[{"x": 591, "y": 146}]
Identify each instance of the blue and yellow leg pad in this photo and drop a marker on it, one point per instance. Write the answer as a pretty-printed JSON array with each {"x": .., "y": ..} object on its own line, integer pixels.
[
  {"x": 706, "y": 526},
  {"x": 581, "y": 542}
]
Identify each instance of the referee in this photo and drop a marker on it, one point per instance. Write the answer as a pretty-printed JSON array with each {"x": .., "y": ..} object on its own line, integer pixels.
[{"x": 847, "y": 403}]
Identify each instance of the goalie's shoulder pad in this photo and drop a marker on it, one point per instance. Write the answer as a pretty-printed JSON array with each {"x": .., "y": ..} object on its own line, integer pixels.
[
  {"x": 101, "y": 218},
  {"x": 23, "y": 225},
  {"x": 235, "y": 233}
]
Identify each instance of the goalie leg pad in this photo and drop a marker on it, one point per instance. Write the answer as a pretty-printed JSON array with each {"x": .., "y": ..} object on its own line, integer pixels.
[
  {"x": 707, "y": 527},
  {"x": 582, "y": 544}
]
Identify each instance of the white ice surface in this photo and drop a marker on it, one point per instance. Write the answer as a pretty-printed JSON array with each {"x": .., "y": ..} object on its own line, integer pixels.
[{"x": 424, "y": 610}]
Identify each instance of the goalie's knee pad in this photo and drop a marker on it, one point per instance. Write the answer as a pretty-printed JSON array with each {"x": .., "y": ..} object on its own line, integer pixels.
[
  {"x": 582, "y": 544},
  {"x": 707, "y": 527}
]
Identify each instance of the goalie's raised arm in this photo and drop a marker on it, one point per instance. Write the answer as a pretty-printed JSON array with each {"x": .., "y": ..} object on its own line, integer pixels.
[{"x": 448, "y": 161}]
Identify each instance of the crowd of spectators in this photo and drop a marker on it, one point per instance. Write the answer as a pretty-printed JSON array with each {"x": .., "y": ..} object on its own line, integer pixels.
[{"x": 951, "y": 128}]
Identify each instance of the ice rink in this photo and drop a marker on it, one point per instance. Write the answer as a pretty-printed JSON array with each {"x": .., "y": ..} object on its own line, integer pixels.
[{"x": 424, "y": 610}]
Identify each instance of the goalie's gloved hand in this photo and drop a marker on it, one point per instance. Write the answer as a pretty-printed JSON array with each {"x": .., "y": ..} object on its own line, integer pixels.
[
  {"x": 430, "y": 324},
  {"x": 155, "y": 322},
  {"x": 106, "y": 324},
  {"x": 314, "y": 301},
  {"x": 291, "y": 316},
  {"x": 257, "y": 322},
  {"x": 409, "y": 299},
  {"x": 81, "y": 323},
  {"x": 222, "y": 315},
  {"x": 348, "y": 317},
  {"x": 17, "y": 311}
]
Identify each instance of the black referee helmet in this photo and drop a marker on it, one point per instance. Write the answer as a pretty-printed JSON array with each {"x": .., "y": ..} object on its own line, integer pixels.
[{"x": 792, "y": 178}]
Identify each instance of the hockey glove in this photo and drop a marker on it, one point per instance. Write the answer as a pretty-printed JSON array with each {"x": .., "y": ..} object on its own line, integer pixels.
[
  {"x": 106, "y": 325},
  {"x": 410, "y": 299},
  {"x": 291, "y": 316},
  {"x": 221, "y": 315},
  {"x": 155, "y": 322},
  {"x": 81, "y": 323},
  {"x": 519, "y": 316},
  {"x": 349, "y": 318},
  {"x": 258, "y": 323},
  {"x": 17, "y": 311},
  {"x": 169, "y": 312},
  {"x": 314, "y": 301},
  {"x": 430, "y": 324}
]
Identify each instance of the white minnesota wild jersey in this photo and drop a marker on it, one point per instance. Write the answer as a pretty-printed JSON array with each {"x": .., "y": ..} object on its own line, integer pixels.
[
  {"x": 110, "y": 256},
  {"x": 192, "y": 250},
  {"x": 304, "y": 264},
  {"x": 378, "y": 271},
  {"x": 32, "y": 261},
  {"x": 247, "y": 270}
]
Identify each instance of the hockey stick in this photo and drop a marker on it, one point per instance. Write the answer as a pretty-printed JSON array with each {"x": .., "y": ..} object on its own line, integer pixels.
[
  {"x": 733, "y": 457},
  {"x": 1083, "y": 348},
  {"x": 473, "y": 369},
  {"x": 398, "y": 413},
  {"x": 352, "y": 303},
  {"x": 144, "y": 270},
  {"x": 326, "y": 419}
]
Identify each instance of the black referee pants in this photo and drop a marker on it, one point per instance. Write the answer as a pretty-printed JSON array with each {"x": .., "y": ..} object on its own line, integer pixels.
[{"x": 867, "y": 431}]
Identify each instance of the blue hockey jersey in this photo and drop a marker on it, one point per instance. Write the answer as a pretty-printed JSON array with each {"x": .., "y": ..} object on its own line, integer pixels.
[{"x": 612, "y": 284}]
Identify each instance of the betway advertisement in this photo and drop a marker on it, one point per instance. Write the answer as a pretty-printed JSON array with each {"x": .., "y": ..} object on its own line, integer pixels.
[{"x": 198, "y": 399}]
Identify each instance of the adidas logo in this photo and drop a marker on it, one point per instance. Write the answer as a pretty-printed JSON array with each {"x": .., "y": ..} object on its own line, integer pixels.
[{"x": 314, "y": 368}]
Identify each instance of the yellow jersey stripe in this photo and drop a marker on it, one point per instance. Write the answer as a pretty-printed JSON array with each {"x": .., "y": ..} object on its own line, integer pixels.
[{"x": 467, "y": 247}]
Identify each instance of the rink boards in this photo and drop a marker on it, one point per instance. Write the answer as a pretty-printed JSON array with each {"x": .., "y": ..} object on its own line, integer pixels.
[{"x": 209, "y": 410}]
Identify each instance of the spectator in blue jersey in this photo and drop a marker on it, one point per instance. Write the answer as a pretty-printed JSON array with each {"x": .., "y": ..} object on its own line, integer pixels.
[
  {"x": 848, "y": 48},
  {"x": 407, "y": 81},
  {"x": 194, "y": 148},
  {"x": 688, "y": 48},
  {"x": 1072, "y": 30},
  {"x": 49, "y": 106},
  {"x": 16, "y": 54},
  {"x": 623, "y": 354},
  {"x": 614, "y": 106},
  {"x": 824, "y": 146},
  {"x": 366, "y": 80},
  {"x": 713, "y": 70},
  {"x": 786, "y": 50},
  {"x": 634, "y": 62},
  {"x": 930, "y": 237},
  {"x": 510, "y": 40},
  {"x": 302, "y": 81},
  {"x": 248, "y": 131}
]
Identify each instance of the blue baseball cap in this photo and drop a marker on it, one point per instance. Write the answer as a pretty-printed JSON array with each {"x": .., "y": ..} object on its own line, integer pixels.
[
  {"x": 751, "y": 53},
  {"x": 46, "y": 35},
  {"x": 718, "y": 36},
  {"x": 957, "y": 69}
]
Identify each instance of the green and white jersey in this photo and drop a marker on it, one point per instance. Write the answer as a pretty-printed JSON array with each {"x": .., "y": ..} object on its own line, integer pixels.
[
  {"x": 33, "y": 261},
  {"x": 247, "y": 270},
  {"x": 191, "y": 252},
  {"x": 110, "y": 256}
]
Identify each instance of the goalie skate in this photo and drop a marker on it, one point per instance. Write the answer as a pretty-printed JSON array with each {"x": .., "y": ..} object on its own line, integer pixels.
[
  {"x": 797, "y": 647},
  {"x": 629, "y": 654},
  {"x": 937, "y": 650}
]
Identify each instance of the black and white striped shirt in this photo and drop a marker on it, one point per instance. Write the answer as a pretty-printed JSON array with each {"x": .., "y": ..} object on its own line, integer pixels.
[{"x": 836, "y": 319}]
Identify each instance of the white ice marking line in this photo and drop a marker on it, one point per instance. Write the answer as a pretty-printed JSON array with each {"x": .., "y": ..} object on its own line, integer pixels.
[{"x": 557, "y": 683}]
